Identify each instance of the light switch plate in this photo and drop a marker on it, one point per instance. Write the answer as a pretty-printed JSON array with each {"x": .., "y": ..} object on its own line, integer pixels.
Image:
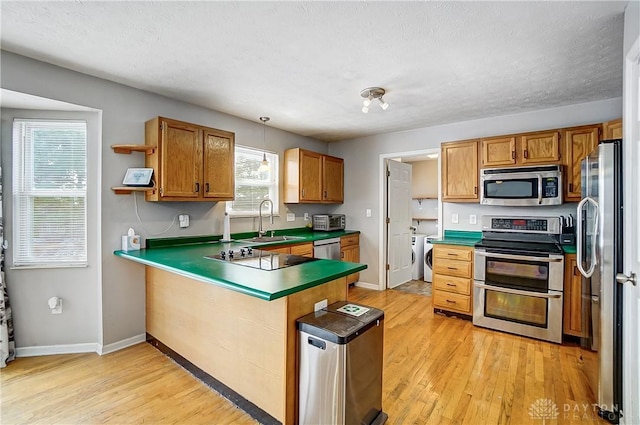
[
  {"x": 473, "y": 219},
  {"x": 184, "y": 220},
  {"x": 306, "y": 216},
  {"x": 368, "y": 212},
  {"x": 291, "y": 217},
  {"x": 454, "y": 218}
]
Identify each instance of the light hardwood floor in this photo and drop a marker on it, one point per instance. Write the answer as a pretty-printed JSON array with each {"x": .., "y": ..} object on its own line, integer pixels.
[{"x": 437, "y": 370}]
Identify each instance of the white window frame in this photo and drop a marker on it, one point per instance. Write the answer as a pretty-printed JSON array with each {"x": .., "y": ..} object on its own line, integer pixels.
[
  {"x": 273, "y": 184},
  {"x": 24, "y": 191}
]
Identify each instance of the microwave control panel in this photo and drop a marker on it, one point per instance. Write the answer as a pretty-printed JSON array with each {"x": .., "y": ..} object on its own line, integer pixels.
[{"x": 550, "y": 187}]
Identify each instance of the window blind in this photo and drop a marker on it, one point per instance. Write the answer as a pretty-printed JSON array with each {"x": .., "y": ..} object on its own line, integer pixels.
[
  {"x": 49, "y": 192},
  {"x": 253, "y": 186}
]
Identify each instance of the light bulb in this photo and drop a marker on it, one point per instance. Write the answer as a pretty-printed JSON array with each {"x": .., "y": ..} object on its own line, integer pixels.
[
  {"x": 367, "y": 101},
  {"x": 264, "y": 165},
  {"x": 384, "y": 105},
  {"x": 365, "y": 109}
]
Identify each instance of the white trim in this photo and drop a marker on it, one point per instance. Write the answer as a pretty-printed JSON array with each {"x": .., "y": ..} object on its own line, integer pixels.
[
  {"x": 367, "y": 285},
  {"x": 47, "y": 350},
  {"x": 382, "y": 197},
  {"x": 110, "y": 348},
  {"x": 88, "y": 347}
]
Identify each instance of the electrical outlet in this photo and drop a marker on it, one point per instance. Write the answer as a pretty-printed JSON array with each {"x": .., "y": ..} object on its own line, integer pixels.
[
  {"x": 319, "y": 305},
  {"x": 473, "y": 219},
  {"x": 291, "y": 217},
  {"x": 184, "y": 220},
  {"x": 306, "y": 216},
  {"x": 368, "y": 212},
  {"x": 454, "y": 218}
]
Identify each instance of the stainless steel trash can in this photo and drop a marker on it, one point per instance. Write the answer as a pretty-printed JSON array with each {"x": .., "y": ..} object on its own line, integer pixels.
[{"x": 340, "y": 367}]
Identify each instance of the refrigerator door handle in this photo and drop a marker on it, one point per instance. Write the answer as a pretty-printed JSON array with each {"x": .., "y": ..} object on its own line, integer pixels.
[{"x": 579, "y": 236}]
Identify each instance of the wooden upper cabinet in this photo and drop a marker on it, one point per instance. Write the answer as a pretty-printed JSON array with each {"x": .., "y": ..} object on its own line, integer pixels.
[
  {"x": 459, "y": 162},
  {"x": 612, "y": 130},
  {"x": 333, "y": 179},
  {"x": 498, "y": 151},
  {"x": 311, "y": 177},
  {"x": 189, "y": 160},
  {"x": 219, "y": 178},
  {"x": 539, "y": 148},
  {"x": 579, "y": 142}
]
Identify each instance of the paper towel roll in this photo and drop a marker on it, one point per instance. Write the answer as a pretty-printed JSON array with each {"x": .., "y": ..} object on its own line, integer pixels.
[{"x": 226, "y": 229}]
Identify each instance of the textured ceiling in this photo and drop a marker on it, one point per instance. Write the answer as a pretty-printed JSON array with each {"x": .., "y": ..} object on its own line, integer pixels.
[{"x": 305, "y": 63}]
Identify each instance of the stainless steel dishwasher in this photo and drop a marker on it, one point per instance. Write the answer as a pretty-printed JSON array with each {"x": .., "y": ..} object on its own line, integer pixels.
[
  {"x": 328, "y": 249},
  {"x": 340, "y": 367}
]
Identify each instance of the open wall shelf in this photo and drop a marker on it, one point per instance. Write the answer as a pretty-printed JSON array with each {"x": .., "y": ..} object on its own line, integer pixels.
[
  {"x": 147, "y": 149},
  {"x": 126, "y": 190}
]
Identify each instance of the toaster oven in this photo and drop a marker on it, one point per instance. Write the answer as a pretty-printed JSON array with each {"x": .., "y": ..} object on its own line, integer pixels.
[{"x": 328, "y": 222}]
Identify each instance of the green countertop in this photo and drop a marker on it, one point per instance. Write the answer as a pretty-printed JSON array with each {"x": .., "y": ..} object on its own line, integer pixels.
[
  {"x": 186, "y": 257},
  {"x": 458, "y": 237}
]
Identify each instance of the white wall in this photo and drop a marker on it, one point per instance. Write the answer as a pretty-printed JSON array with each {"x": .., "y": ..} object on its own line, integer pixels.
[
  {"x": 119, "y": 291},
  {"x": 363, "y": 176}
]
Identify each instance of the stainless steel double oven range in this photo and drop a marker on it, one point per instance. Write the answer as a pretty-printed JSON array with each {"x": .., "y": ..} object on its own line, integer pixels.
[{"x": 518, "y": 277}]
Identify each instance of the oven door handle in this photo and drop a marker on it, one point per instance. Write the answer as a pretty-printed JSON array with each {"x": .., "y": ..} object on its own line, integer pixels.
[
  {"x": 519, "y": 257},
  {"x": 517, "y": 291}
]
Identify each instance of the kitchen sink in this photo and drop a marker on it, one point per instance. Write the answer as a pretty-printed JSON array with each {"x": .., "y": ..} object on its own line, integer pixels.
[{"x": 272, "y": 238}]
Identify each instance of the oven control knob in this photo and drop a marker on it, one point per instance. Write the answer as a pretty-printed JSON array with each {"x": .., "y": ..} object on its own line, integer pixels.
[
  {"x": 222, "y": 254},
  {"x": 242, "y": 252},
  {"x": 249, "y": 251}
]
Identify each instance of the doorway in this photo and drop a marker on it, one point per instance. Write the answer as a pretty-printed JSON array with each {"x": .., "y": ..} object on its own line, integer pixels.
[{"x": 426, "y": 208}]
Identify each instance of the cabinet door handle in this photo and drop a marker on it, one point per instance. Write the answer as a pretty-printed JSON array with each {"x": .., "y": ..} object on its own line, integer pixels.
[
  {"x": 197, "y": 187},
  {"x": 206, "y": 187},
  {"x": 475, "y": 190},
  {"x": 513, "y": 154},
  {"x": 452, "y": 268},
  {"x": 325, "y": 194},
  {"x": 526, "y": 153},
  {"x": 575, "y": 270},
  {"x": 303, "y": 193},
  {"x": 451, "y": 284},
  {"x": 450, "y": 301},
  {"x": 570, "y": 187},
  {"x": 342, "y": 255}
]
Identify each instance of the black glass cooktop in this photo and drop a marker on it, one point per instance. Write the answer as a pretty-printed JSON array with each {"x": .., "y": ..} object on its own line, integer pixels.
[{"x": 260, "y": 259}]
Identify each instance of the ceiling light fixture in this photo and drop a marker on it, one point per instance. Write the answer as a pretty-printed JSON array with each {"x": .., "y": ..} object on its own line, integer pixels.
[
  {"x": 264, "y": 165},
  {"x": 370, "y": 94}
]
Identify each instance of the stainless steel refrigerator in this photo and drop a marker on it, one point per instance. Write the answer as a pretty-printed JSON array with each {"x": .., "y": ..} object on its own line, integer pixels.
[{"x": 599, "y": 258}]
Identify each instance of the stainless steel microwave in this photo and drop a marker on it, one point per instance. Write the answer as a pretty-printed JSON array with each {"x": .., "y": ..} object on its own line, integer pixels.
[
  {"x": 329, "y": 222},
  {"x": 521, "y": 186}
]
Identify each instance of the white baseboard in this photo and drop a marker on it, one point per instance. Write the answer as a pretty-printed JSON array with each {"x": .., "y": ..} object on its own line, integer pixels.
[
  {"x": 89, "y": 347},
  {"x": 367, "y": 285},
  {"x": 110, "y": 348},
  {"x": 47, "y": 350}
]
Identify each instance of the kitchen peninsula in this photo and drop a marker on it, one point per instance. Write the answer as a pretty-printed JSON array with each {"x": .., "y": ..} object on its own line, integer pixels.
[{"x": 236, "y": 323}]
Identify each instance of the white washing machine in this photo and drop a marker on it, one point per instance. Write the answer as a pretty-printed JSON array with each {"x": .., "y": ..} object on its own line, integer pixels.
[
  {"x": 427, "y": 258},
  {"x": 417, "y": 256}
]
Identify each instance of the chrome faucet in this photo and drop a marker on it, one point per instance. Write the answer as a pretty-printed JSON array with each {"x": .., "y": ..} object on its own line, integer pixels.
[{"x": 260, "y": 231}]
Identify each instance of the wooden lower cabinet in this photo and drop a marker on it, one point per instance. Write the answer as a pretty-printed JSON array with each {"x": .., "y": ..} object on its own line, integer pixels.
[
  {"x": 453, "y": 279},
  {"x": 304, "y": 249},
  {"x": 350, "y": 251},
  {"x": 572, "y": 321}
]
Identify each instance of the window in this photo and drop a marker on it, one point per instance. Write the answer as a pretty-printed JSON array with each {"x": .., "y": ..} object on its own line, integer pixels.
[
  {"x": 252, "y": 187},
  {"x": 49, "y": 193}
]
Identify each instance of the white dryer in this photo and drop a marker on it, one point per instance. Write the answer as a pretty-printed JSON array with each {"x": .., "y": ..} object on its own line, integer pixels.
[
  {"x": 428, "y": 258},
  {"x": 417, "y": 256}
]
